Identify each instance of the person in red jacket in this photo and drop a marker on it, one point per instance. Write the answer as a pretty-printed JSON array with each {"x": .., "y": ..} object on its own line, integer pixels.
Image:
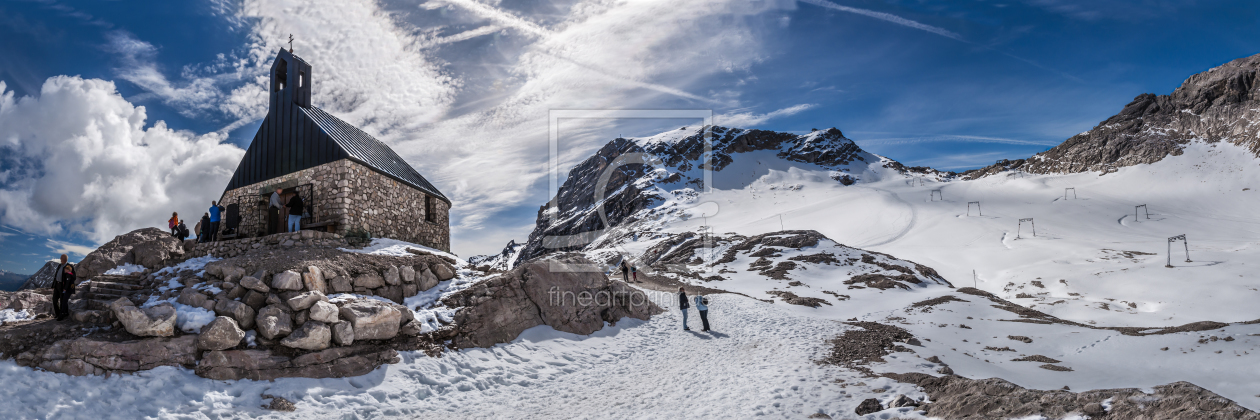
[{"x": 173, "y": 224}]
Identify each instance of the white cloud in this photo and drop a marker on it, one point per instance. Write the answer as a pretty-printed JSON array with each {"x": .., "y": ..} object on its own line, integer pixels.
[
  {"x": 85, "y": 163},
  {"x": 887, "y": 17},
  {"x": 452, "y": 117},
  {"x": 750, "y": 120},
  {"x": 192, "y": 97},
  {"x": 67, "y": 248}
]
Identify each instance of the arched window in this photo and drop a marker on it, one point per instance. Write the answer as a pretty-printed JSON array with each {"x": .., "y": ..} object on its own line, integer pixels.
[{"x": 281, "y": 76}]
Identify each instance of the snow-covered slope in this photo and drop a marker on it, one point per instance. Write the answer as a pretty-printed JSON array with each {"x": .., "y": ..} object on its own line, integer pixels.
[{"x": 1092, "y": 267}]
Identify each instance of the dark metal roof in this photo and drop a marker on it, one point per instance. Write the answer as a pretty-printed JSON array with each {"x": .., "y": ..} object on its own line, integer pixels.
[
  {"x": 367, "y": 150},
  {"x": 297, "y": 136}
]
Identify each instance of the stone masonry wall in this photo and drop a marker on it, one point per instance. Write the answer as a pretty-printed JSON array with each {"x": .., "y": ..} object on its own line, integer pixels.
[
  {"x": 355, "y": 197},
  {"x": 235, "y": 247}
]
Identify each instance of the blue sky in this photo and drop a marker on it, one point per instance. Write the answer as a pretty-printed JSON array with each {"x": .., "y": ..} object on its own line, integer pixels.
[{"x": 114, "y": 114}]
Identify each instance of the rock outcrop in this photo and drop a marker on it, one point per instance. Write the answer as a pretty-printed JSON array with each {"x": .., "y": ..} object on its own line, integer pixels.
[
  {"x": 35, "y": 303},
  {"x": 148, "y": 247},
  {"x": 553, "y": 291},
  {"x": 959, "y": 397}
]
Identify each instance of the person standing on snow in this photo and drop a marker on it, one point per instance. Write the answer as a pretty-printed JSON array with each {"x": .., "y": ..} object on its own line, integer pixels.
[
  {"x": 683, "y": 305},
  {"x": 63, "y": 287},
  {"x": 703, "y": 307},
  {"x": 625, "y": 271}
]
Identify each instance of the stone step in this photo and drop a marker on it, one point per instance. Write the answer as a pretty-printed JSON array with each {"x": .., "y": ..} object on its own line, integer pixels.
[
  {"x": 105, "y": 285},
  {"x": 99, "y": 304},
  {"x": 106, "y": 295},
  {"x": 128, "y": 279}
]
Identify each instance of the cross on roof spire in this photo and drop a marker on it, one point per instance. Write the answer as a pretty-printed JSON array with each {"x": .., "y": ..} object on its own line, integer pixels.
[{"x": 290, "y": 43}]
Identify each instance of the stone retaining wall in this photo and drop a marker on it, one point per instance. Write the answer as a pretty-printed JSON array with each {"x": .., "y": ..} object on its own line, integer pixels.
[{"x": 234, "y": 247}]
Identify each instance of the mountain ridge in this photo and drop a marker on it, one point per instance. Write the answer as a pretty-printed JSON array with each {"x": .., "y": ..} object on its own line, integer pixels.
[{"x": 1207, "y": 106}]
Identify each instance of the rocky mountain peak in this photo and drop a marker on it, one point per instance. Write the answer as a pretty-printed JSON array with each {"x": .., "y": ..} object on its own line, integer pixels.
[
  {"x": 1221, "y": 104},
  {"x": 678, "y": 170}
]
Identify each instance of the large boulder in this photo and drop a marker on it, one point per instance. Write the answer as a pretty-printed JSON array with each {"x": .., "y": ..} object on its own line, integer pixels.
[
  {"x": 372, "y": 319},
  {"x": 312, "y": 335},
  {"x": 156, "y": 321},
  {"x": 343, "y": 333},
  {"x": 407, "y": 273},
  {"x": 274, "y": 322},
  {"x": 255, "y": 284},
  {"x": 32, "y": 302},
  {"x": 426, "y": 280},
  {"x": 314, "y": 280},
  {"x": 325, "y": 312},
  {"x": 304, "y": 300},
  {"x": 220, "y": 334},
  {"x": 340, "y": 284},
  {"x": 392, "y": 276},
  {"x": 442, "y": 271},
  {"x": 369, "y": 280},
  {"x": 225, "y": 270},
  {"x": 551, "y": 291},
  {"x": 242, "y": 313},
  {"x": 287, "y": 280},
  {"x": 191, "y": 297},
  {"x": 149, "y": 247}
]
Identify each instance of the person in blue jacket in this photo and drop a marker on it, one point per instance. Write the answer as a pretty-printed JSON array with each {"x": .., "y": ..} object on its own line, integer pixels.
[
  {"x": 214, "y": 221},
  {"x": 703, "y": 308}
]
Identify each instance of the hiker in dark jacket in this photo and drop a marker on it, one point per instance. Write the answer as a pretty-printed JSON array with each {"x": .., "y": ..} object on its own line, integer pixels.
[
  {"x": 203, "y": 228},
  {"x": 63, "y": 287},
  {"x": 182, "y": 230},
  {"x": 295, "y": 213},
  {"x": 703, "y": 308},
  {"x": 625, "y": 271},
  {"x": 683, "y": 305}
]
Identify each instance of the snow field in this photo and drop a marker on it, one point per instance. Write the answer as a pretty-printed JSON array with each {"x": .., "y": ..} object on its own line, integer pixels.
[{"x": 759, "y": 362}]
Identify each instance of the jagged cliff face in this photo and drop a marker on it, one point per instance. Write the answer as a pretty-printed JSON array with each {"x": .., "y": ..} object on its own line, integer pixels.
[
  {"x": 1221, "y": 104},
  {"x": 43, "y": 277},
  {"x": 633, "y": 188}
]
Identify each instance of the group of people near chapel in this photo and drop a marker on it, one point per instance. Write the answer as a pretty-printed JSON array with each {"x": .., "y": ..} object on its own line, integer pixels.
[{"x": 208, "y": 227}]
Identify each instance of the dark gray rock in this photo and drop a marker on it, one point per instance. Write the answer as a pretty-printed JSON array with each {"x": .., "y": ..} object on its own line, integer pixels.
[{"x": 868, "y": 406}]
